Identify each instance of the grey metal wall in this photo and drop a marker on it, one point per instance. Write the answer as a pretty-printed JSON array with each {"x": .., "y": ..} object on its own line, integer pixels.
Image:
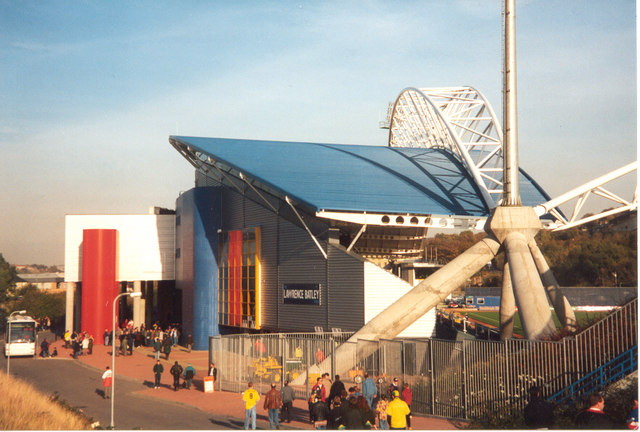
[
  {"x": 184, "y": 258},
  {"x": 288, "y": 256},
  {"x": 232, "y": 209},
  {"x": 300, "y": 262},
  {"x": 346, "y": 293},
  {"x": 267, "y": 220}
]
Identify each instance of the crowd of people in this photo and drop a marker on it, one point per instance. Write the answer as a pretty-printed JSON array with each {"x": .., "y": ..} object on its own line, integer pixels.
[
  {"x": 81, "y": 343},
  {"x": 129, "y": 337},
  {"x": 187, "y": 374},
  {"x": 332, "y": 406}
]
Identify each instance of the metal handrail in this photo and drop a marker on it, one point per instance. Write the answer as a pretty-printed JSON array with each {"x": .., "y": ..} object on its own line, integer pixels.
[{"x": 611, "y": 371}]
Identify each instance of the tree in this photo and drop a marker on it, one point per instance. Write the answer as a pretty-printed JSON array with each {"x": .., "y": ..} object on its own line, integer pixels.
[
  {"x": 578, "y": 256},
  {"x": 596, "y": 259},
  {"x": 449, "y": 246},
  {"x": 7, "y": 278},
  {"x": 40, "y": 304}
]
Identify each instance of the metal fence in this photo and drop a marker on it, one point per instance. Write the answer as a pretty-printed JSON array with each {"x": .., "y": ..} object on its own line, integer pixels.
[
  {"x": 455, "y": 379},
  {"x": 266, "y": 358}
]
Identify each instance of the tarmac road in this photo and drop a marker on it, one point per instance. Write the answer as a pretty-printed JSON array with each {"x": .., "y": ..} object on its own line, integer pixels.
[{"x": 79, "y": 386}]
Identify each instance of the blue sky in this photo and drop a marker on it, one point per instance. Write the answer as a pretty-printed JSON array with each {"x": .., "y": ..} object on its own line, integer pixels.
[{"x": 91, "y": 90}]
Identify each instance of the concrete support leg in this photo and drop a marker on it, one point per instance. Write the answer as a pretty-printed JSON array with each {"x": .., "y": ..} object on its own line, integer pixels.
[
  {"x": 414, "y": 304},
  {"x": 535, "y": 314},
  {"x": 563, "y": 308},
  {"x": 507, "y": 305},
  {"x": 430, "y": 292},
  {"x": 69, "y": 305},
  {"x": 138, "y": 305}
]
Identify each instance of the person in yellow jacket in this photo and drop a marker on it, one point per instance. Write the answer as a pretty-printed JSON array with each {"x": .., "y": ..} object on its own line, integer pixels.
[
  {"x": 397, "y": 412},
  {"x": 250, "y": 397}
]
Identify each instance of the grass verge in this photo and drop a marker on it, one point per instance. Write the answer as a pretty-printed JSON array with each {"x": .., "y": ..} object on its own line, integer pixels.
[{"x": 24, "y": 408}]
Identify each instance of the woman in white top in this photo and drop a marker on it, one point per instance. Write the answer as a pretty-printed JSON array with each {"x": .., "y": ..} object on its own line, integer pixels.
[{"x": 107, "y": 382}]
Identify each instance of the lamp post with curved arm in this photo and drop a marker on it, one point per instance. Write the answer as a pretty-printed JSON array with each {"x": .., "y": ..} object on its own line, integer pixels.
[
  {"x": 113, "y": 350},
  {"x": 8, "y": 341}
]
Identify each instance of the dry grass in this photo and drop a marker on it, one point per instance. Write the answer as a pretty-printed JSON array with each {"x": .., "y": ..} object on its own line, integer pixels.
[{"x": 24, "y": 408}]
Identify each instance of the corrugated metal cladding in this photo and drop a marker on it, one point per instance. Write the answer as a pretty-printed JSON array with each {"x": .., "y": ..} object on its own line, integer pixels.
[
  {"x": 290, "y": 256},
  {"x": 232, "y": 210},
  {"x": 301, "y": 262},
  {"x": 346, "y": 295},
  {"x": 267, "y": 220},
  {"x": 185, "y": 256}
]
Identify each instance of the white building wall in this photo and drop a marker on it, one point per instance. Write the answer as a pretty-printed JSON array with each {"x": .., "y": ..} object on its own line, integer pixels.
[
  {"x": 381, "y": 289},
  {"x": 146, "y": 245}
]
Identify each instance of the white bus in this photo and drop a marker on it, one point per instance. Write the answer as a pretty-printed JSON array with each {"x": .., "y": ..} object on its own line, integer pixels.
[{"x": 22, "y": 331}]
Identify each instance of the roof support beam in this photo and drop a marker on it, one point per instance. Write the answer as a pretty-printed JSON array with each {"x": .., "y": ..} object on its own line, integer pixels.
[
  {"x": 355, "y": 239},
  {"x": 256, "y": 191},
  {"x": 224, "y": 175},
  {"x": 315, "y": 240},
  {"x": 582, "y": 193}
]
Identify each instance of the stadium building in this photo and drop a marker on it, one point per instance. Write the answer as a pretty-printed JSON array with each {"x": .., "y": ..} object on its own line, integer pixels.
[
  {"x": 288, "y": 236},
  {"x": 291, "y": 236}
]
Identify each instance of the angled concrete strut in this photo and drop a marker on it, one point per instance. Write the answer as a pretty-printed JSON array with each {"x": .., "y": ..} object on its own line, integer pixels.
[{"x": 413, "y": 305}]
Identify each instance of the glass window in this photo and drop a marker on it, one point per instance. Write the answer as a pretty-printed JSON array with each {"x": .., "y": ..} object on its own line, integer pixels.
[{"x": 238, "y": 294}]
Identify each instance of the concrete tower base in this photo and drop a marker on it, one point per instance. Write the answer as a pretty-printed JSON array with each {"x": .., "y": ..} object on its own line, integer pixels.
[{"x": 515, "y": 227}]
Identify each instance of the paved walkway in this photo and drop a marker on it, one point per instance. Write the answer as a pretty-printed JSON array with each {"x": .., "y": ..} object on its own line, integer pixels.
[{"x": 139, "y": 366}]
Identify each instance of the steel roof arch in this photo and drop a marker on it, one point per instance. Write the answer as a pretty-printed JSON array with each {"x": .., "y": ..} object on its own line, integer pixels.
[{"x": 424, "y": 117}]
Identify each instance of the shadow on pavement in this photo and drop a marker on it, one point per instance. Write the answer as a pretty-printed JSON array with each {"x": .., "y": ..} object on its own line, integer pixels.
[
  {"x": 148, "y": 383},
  {"x": 231, "y": 424}
]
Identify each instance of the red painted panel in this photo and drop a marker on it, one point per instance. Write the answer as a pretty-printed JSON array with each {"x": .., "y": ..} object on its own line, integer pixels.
[
  {"x": 99, "y": 285},
  {"x": 235, "y": 278}
]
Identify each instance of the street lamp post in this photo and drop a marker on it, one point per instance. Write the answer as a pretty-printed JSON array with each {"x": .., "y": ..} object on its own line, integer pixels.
[
  {"x": 7, "y": 343},
  {"x": 113, "y": 350}
]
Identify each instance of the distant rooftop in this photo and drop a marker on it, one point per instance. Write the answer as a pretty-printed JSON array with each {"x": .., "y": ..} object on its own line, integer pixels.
[{"x": 40, "y": 277}]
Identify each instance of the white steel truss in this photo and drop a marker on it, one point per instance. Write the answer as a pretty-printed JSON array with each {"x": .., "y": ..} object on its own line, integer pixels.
[
  {"x": 459, "y": 119},
  {"x": 582, "y": 193}
]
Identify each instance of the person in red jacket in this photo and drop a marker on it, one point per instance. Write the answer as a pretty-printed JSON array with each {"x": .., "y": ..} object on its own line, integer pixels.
[
  {"x": 320, "y": 389},
  {"x": 407, "y": 396}
]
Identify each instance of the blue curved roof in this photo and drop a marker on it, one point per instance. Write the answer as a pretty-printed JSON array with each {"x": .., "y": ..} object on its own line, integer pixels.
[{"x": 357, "y": 178}]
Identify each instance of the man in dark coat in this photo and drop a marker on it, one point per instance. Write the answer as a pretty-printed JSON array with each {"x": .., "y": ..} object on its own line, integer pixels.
[
  {"x": 157, "y": 371},
  {"x": 336, "y": 389},
  {"x": 157, "y": 347},
  {"x": 176, "y": 371},
  {"x": 75, "y": 346},
  {"x": 335, "y": 413},
  {"x": 189, "y": 343},
  {"x": 44, "y": 347},
  {"x": 352, "y": 416},
  {"x": 288, "y": 396},
  {"x": 166, "y": 347},
  {"x": 594, "y": 416},
  {"x": 538, "y": 413},
  {"x": 320, "y": 414}
]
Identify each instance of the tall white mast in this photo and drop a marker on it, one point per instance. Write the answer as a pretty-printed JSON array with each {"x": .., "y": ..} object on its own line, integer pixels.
[{"x": 511, "y": 189}]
